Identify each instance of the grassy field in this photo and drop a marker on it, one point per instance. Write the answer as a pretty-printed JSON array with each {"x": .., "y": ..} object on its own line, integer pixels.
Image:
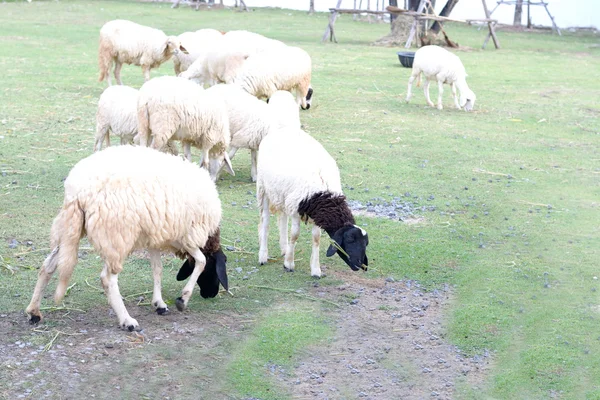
[{"x": 511, "y": 191}]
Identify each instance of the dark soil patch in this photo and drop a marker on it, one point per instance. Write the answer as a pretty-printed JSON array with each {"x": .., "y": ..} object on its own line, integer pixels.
[{"x": 389, "y": 344}]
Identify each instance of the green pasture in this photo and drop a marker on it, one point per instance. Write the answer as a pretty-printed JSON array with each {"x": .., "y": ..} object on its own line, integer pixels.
[{"x": 512, "y": 189}]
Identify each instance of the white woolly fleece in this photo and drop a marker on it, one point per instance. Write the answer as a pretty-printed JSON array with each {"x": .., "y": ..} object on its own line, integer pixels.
[{"x": 292, "y": 166}]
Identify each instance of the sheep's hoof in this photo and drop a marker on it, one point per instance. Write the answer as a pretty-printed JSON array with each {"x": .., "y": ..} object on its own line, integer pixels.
[
  {"x": 286, "y": 269},
  {"x": 162, "y": 310},
  {"x": 34, "y": 319},
  {"x": 316, "y": 276},
  {"x": 180, "y": 304}
]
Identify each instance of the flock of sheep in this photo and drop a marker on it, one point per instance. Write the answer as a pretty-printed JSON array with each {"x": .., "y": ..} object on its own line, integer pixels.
[
  {"x": 131, "y": 197},
  {"x": 140, "y": 197}
]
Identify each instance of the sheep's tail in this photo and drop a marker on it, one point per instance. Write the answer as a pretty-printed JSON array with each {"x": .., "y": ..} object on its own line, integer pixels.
[
  {"x": 104, "y": 59},
  {"x": 67, "y": 230}
]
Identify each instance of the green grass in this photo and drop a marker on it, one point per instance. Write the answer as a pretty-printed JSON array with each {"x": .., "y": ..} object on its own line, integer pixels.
[{"x": 515, "y": 184}]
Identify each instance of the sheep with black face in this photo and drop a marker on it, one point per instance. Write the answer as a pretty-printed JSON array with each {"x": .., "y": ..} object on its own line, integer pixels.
[
  {"x": 126, "y": 198},
  {"x": 298, "y": 178}
]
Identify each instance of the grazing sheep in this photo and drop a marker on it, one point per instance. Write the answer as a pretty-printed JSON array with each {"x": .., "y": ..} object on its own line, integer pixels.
[
  {"x": 126, "y": 198},
  {"x": 171, "y": 108},
  {"x": 298, "y": 178},
  {"x": 438, "y": 64},
  {"x": 250, "y": 120},
  {"x": 216, "y": 66},
  {"x": 125, "y": 42},
  {"x": 196, "y": 43},
  {"x": 287, "y": 68},
  {"x": 222, "y": 61},
  {"x": 117, "y": 113}
]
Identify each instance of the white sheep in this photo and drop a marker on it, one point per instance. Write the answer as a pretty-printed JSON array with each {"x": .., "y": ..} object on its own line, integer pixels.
[
  {"x": 215, "y": 66},
  {"x": 287, "y": 68},
  {"x": 172, "y": 108},
  {"x": 438, "y": 64},
  {"x": 125, "y": 42},
  {"x": 298, "y": 178},
  {"x": 126, "y": 198},
  {"x": 117, "y": 113},
  {"x": 224, "y": 60},
  {"x": 196, "y": 43},
  {"x": 250, "y": 120}
]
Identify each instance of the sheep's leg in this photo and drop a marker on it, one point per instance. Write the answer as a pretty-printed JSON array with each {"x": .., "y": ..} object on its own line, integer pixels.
[
  {"x": 283, "y": 232},
  {"x": 409, "y": 91},
  {"x": 440, "y": 93},
  {"x": 232, "y": 151},
  {"x": 118, "y": 66},
  {"x": 454, "y": 96},
  {"x": 200, "y": 260},
  {"x": 426, "y": 90},
  {"x": 187, "y": 150},
  {"x": 204, "y": 160},
  {"x": 253, "y": 157},
  {"x": 146, "y": 71},
  {"x": 124, "y": 141},
  {"x": 315, "y": 266},
  {"x": 157, "y": 267},
  {"x": 263, "y": 231},
  {"x": 48, "y": 268},
  {"x": 288, "y": 262},
  {"x": 110, "y": 282}
]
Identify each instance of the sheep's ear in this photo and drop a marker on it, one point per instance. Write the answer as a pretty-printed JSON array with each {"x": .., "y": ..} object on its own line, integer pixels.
[
  {"x": 227, "y": 165},
  {"x": 338, "y": 237},
  {"x": 366, "y": 260},
  {"x": 186, "y": 269},
  {"x": 183, "y": 49},
  {"x": 222, "y": 269}
]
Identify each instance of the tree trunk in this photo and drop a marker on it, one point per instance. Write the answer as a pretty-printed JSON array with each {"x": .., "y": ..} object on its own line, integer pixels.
[
  {"x": 518, "y": 13},
  {"x": 392, "y": 16},
  {"x": 435, "y": 28},
  {"x": 311, "y": 10}
]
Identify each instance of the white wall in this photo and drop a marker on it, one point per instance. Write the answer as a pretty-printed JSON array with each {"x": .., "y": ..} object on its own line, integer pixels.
[{"x": 581, "y": 13}]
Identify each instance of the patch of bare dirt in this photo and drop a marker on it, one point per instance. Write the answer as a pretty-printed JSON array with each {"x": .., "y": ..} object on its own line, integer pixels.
[
  {"x": 389, "y": 344},
  {"x": 175, "y": 357}
]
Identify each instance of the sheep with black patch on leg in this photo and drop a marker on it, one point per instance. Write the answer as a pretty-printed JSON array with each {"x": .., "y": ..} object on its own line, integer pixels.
[
  {"x": 292, "y": 184},
  {"x": 126, "y": 198},
  {"x": 440, "y": 65}
]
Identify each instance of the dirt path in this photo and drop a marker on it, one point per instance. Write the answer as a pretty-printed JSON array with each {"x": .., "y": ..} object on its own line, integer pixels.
[{"x": 388, "y": 344}]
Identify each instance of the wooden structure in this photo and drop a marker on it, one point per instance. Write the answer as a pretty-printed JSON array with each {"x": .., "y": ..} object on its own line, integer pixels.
[
  {"x": 529, "y": 3},
  {"x": 419, "y": 15},
  {"x": 335, "y": 12}
]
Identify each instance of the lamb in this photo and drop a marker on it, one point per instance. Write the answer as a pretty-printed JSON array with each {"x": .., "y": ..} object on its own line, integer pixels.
[
  {"x": 306, "y": 189},
  {"x": 117, "y": 113},
  {"x": 126, "y": 198},
  {"x": 288, "y": 68},
  {"x": 125, "y": 42},
  {"x": 437, "y": 63},
  {"x": 172, "y": 108},
  {"x": 196, "y": 43}
]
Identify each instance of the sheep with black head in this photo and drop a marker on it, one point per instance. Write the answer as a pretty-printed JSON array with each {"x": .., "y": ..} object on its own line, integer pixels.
[{"x": 298, "y": 178}]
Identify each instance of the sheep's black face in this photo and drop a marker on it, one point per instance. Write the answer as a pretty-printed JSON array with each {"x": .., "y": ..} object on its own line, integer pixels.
[
  {"x": 353, "y": 240},
  {"x": 214, "y": 273}
]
